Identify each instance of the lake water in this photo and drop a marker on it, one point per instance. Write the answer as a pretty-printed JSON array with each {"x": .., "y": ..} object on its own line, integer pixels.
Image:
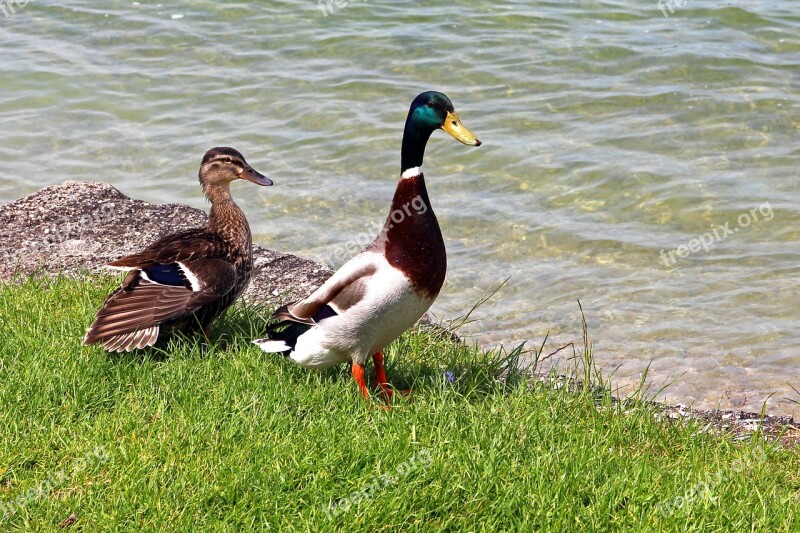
[{"x": 611, "y": 132}]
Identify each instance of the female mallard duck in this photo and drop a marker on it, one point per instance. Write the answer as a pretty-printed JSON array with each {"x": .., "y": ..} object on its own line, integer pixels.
[
  {"x": 183, "y": 281},
  {"x": 385, "y": 289}
]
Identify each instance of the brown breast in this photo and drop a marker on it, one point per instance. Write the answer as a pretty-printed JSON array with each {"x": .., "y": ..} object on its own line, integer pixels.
[{"x": 411, "y": 239}]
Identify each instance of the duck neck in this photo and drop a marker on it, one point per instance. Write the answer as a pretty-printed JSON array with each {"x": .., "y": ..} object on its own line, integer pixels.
[
  {"x": 414, "y": 142},
  {"x": 410, "y": 203},
  {"x": 411, "y": 209},
  {"x": 226, "y": 218}
]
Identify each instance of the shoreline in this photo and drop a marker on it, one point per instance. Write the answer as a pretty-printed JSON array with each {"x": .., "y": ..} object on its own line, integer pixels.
[{"x": 80, "y": 226}]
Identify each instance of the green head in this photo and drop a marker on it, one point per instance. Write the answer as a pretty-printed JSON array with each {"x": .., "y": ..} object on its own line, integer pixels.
[{"x": 430, "y": 111}]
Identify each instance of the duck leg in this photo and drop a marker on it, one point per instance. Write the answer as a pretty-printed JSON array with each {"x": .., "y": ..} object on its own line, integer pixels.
[
  {"x": 358, "y": 375},
  {"x": 380, "y": 375}
]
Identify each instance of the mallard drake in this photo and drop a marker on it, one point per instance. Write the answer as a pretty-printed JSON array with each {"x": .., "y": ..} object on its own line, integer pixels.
[
  {"x": 385, "y": 289},
  {"x": 183, "y": 281}
]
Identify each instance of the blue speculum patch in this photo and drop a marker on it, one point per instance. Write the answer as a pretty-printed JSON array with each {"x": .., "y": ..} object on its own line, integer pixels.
[{"x": 165, "y": 274}]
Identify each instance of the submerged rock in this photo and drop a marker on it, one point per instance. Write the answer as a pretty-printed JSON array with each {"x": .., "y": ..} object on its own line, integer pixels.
[{"x": 80, "y": 226}]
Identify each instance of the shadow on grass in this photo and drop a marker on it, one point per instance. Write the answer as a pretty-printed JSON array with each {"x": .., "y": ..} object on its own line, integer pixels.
[
  {"x": 432, "y": 357},
  {"x": 238, "y": 325},
  {"x": 429, "y": 357}
]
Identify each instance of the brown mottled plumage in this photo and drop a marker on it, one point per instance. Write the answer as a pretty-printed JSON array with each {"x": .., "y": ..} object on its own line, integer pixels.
[{"x": 183, "y": 281}]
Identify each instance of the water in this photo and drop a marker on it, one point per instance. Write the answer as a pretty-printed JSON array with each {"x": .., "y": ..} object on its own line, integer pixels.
[{"x": 611, "y": 132}]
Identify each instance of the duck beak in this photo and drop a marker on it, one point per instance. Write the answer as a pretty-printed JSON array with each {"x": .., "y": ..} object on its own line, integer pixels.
[
  {"x": 250, "y": 174},
  {"x": 454, "y": 127}
]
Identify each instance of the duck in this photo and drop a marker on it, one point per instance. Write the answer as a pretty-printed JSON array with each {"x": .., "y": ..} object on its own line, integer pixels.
[
  {"x": 386, "y": 288},
  {"x": 186, "y": 280}
]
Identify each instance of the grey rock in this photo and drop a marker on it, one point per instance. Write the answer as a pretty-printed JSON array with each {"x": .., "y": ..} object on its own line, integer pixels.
[{"x": 76, "y": 226}]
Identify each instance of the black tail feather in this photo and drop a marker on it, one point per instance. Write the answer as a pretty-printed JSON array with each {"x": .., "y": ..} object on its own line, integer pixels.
[{"x": 288, "y": 330}]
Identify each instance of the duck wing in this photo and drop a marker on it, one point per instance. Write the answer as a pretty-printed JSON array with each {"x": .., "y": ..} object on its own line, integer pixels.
[
  {"x": 185, "y": 246},
  {"x": 347, "y": 282},
  {"x": 168, "y": 280},
  {"x": 156, "y": 294}
]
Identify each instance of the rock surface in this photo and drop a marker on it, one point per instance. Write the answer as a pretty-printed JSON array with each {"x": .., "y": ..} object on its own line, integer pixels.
[{"x": 82, "y": 226}]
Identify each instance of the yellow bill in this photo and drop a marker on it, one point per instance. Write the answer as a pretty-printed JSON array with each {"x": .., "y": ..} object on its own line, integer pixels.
[{"x": 454, "y": 127}]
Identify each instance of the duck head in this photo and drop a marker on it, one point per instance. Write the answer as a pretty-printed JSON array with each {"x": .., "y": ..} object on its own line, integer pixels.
[
  {"x": 430, "y": 111},
  {"x": 222, "y": 165}
]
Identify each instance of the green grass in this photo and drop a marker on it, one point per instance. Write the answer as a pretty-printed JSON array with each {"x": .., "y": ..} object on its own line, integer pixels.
[{"x": 227, "y": 438}]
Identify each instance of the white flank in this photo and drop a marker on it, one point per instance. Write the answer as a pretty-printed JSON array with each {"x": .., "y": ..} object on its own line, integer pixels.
[
  {"x": 272, "y": 346},
  {"x": 412, "y": 172},
  {"x": 193, "y": 281},
  {"x": 387, "y": 308}
]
